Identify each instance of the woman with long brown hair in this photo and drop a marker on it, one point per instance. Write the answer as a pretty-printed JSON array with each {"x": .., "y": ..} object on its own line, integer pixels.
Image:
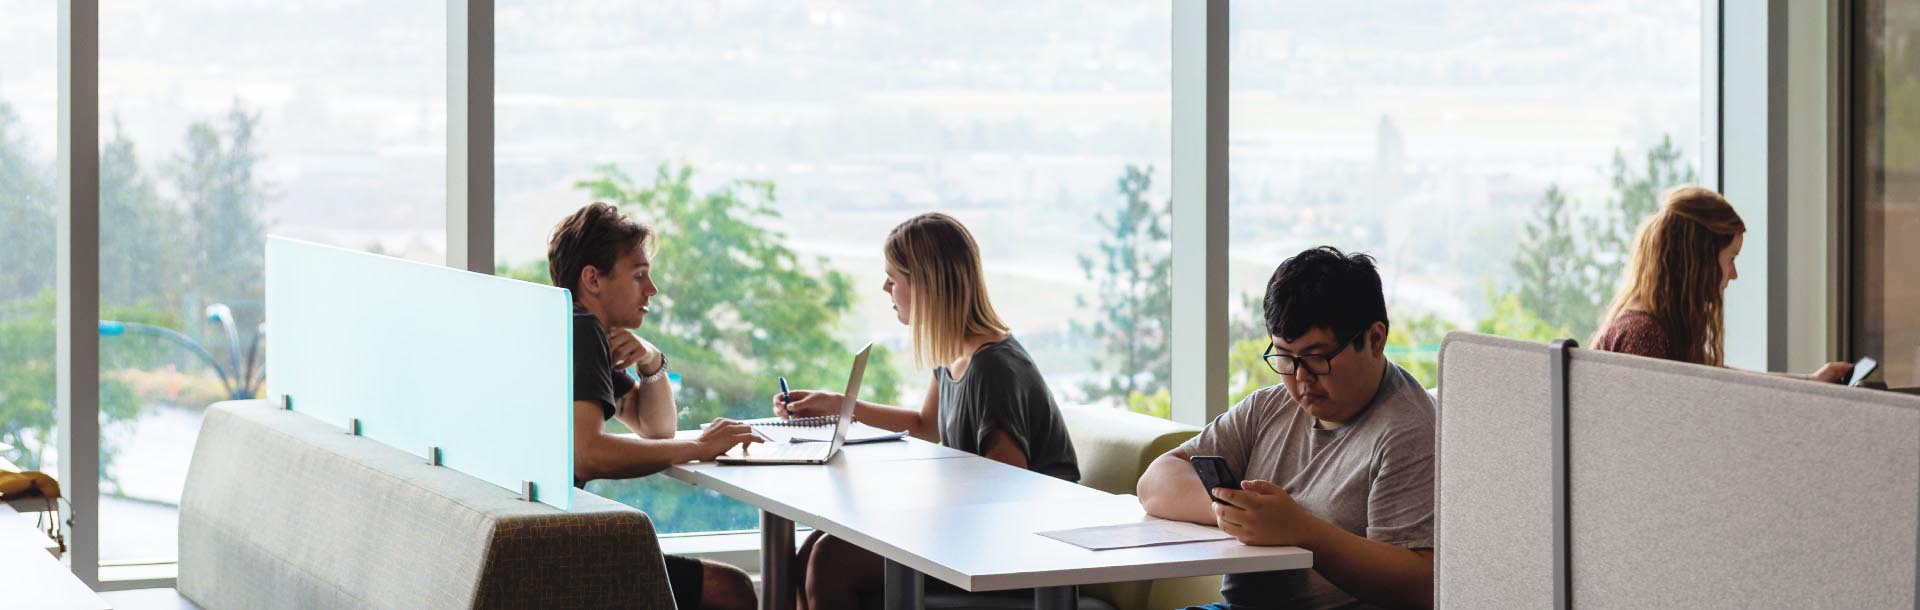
[
  {"x": 1672, "y": 298},
  {"x": 986, "y": 396}
]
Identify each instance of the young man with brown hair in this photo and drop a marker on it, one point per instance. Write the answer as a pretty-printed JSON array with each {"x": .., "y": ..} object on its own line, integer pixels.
[{"x": 602, "y": 258}]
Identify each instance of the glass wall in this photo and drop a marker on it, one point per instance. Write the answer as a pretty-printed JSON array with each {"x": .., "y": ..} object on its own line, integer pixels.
[
  {"x": 29, "y": 136},
  {"x": 1886, "y": 187},
  {"x": 222, "y": 123},
  {"x": 1494, "y": 156},
  {"x": 775, "y": 144}
]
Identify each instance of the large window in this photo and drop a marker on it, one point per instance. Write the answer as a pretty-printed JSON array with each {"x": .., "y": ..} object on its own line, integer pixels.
[
  {"x": 1494, "y": 156},
  {"x": 775, "y": 144},
  {"x": 221, "y": 123},
  {"x": 28, "y": 131},
  {"x": 1886, "y": 186}
]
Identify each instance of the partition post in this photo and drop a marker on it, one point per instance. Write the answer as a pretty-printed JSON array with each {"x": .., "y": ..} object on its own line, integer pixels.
[{"x": 1561, "y": 352}]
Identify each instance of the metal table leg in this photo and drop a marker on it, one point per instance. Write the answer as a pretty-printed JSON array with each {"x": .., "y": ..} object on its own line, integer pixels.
[
  {"x": 776, "y": 562},
  {"x": 905, "y": 588},
  {"x": 1056, "y": 598}
]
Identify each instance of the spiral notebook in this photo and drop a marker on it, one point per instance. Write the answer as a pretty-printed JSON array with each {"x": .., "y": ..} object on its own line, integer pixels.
[{"x": 817, "y": 430}]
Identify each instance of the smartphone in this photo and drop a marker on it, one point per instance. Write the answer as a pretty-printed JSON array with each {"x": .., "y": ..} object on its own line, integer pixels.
[
  {"x": 1861, "y": 370},
  {"x": 1214, "y": 473}
]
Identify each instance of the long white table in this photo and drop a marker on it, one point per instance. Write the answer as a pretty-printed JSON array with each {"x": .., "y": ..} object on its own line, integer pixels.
[
  {"x": 35, "y": 578},
  {"x": 966, "y": 520}
]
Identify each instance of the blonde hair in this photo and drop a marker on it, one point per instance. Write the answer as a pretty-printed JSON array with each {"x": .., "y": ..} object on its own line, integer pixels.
[
  {"x": 938, "y": 257},
  {"x": 1675, "y": 274}
]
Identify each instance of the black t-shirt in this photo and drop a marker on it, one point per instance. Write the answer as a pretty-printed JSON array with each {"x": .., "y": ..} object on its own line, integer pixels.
[
  {"x": 593, "y": 375},
  {"x": 1003, "y": 390}
]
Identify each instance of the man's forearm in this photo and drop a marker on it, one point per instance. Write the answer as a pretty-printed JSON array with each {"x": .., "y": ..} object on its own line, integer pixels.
[
  {"x": 655, "y": 415},
  {"x": 1170, "y": 490},
  {"x": 618, "y": 456},
  {"x": 1378, "y": 573}
]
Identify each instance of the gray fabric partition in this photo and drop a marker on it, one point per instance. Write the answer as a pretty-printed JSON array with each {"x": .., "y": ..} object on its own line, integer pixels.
[{"x": 1693, "y": 486}]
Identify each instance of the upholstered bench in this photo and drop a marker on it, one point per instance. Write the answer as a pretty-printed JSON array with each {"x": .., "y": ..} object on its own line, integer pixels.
[{"x": 283, "y": 511}]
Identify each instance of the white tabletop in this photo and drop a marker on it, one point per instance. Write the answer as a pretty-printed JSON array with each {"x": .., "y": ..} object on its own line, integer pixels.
[
  {"x": 848, "y": 484},
  {"x": 35, "y": 579},
  {"x": 970, "y": 521},
  {"x": 991, "y": 547}
]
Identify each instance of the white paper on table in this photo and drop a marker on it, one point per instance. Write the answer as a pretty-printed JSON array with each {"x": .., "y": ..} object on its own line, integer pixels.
[
  {"x": 856, "y": 434},
  {"x": 1152, "y": 532}
]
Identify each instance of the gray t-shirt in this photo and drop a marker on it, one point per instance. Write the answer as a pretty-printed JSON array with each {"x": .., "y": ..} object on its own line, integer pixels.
[
  {"x": 1372, "y": 477},
  {"x": 1003, "y": 390}
]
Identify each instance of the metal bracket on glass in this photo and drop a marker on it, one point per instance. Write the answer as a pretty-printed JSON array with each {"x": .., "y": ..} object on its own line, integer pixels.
[
  {"x": 433, "y": 456},
  {"x": 353, "y": 426},
  {"x": 527, "y": 491}
]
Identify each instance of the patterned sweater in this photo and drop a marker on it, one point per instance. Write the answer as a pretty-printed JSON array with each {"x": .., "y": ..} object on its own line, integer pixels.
[{"x": 1638, "y": 333}]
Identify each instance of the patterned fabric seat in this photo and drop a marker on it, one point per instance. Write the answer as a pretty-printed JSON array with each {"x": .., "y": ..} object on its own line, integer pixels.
[{"x": 282, "y": 511}]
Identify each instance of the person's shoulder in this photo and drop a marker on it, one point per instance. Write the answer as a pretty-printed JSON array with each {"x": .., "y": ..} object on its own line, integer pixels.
[
  {"x": 587, "y": 330},
  {"x": 1634, "y": 324},
  {"x": 1636, "y": 332},
  {"x": 1268, "y": 400},
  {"x": 1004, "y": 359},
  {"x": 1406, "y": 403}
]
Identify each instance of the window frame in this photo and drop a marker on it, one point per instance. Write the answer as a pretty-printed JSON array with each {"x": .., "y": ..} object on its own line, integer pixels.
[{"x": 1200, "y": 340}]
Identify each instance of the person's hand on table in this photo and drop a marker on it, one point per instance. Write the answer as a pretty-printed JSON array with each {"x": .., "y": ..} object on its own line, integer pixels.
[
  {"x": 1834, "y": 372},
  {"x": 629, "y": 350},
  {"x": 808, "y": 403},
  {"x": 722, "y": 435},
  {"x": 1263, "y": 514}
]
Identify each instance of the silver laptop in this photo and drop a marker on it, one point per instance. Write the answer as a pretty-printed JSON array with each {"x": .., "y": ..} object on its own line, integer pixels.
[{"x": 807, "y": 453}]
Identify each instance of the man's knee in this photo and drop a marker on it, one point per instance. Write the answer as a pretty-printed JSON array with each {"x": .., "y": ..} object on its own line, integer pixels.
[{"x": 725, "y": 587}]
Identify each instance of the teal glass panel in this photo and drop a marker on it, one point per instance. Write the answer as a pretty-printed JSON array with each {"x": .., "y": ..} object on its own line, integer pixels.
[{"x": 427, "y": 356}]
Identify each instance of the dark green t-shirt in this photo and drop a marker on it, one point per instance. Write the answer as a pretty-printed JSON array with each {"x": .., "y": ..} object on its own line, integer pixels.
[{"x": 1003, "y": 390}]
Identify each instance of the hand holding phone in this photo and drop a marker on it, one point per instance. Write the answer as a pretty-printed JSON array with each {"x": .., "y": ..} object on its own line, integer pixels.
[
  {"x": 1861, "y": 370},
  {"x": 1214, "y": 473}
]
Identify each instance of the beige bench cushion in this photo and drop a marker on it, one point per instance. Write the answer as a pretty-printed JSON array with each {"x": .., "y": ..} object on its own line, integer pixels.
[{"x": 282, "y": 511}]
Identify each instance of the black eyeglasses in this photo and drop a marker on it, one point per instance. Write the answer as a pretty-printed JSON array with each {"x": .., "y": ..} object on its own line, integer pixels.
[{"x": 1315, "y": 363}]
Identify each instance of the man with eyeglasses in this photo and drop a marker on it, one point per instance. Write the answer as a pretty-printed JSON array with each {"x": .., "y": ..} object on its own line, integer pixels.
[{"x": 1337, "y": 456}]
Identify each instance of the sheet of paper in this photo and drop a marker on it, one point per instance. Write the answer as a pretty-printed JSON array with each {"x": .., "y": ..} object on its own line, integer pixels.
[
  {"x": 1152, "y": 532},
  {"x": 856, "y": 433}
]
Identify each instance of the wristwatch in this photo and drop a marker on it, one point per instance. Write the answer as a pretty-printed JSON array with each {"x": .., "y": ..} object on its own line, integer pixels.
[{"x": 658, "y": 374}]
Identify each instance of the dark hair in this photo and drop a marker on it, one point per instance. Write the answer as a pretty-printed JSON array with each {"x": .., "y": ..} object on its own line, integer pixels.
[
  {"x": 593, "y": 235},
  {"x": 1324, "y": 288}
]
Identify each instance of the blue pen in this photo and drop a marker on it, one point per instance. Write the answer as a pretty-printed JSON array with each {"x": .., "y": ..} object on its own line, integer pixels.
[{"x": 784, "y": 400}]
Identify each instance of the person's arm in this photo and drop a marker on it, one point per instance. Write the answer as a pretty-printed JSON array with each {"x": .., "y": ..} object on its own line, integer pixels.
[
  {"x": 600, "y": 455},
  {"x": 1378, "y": 573},
  {"x": 1170, "y": 490},
  {"x": 923, "y": 424},
  {"x": 1000, "y": 447},
  {"x": 647, "y": 409}
]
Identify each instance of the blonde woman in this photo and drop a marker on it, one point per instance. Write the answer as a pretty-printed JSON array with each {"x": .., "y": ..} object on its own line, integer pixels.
[
  {"x": 1672, "y": 298},
  {"x": 986, "y": 396}
]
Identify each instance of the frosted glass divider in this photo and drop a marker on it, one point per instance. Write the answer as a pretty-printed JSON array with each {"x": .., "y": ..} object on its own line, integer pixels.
[{"x": 427, "y": 356}]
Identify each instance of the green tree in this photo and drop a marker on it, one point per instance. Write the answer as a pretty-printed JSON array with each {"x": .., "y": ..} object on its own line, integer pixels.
[
  {"x": 740, "y": 307},
  {"x": 1558, "y": 278},
  {"x": 217, "y": 180},
  {"x": 139, "y": 262},
  {"x": 1566, "y": 279},
  {"x": 26, "y": 214},
  {"x": 1134, "y": 294},
  {"x": 27, "y": 390}
]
